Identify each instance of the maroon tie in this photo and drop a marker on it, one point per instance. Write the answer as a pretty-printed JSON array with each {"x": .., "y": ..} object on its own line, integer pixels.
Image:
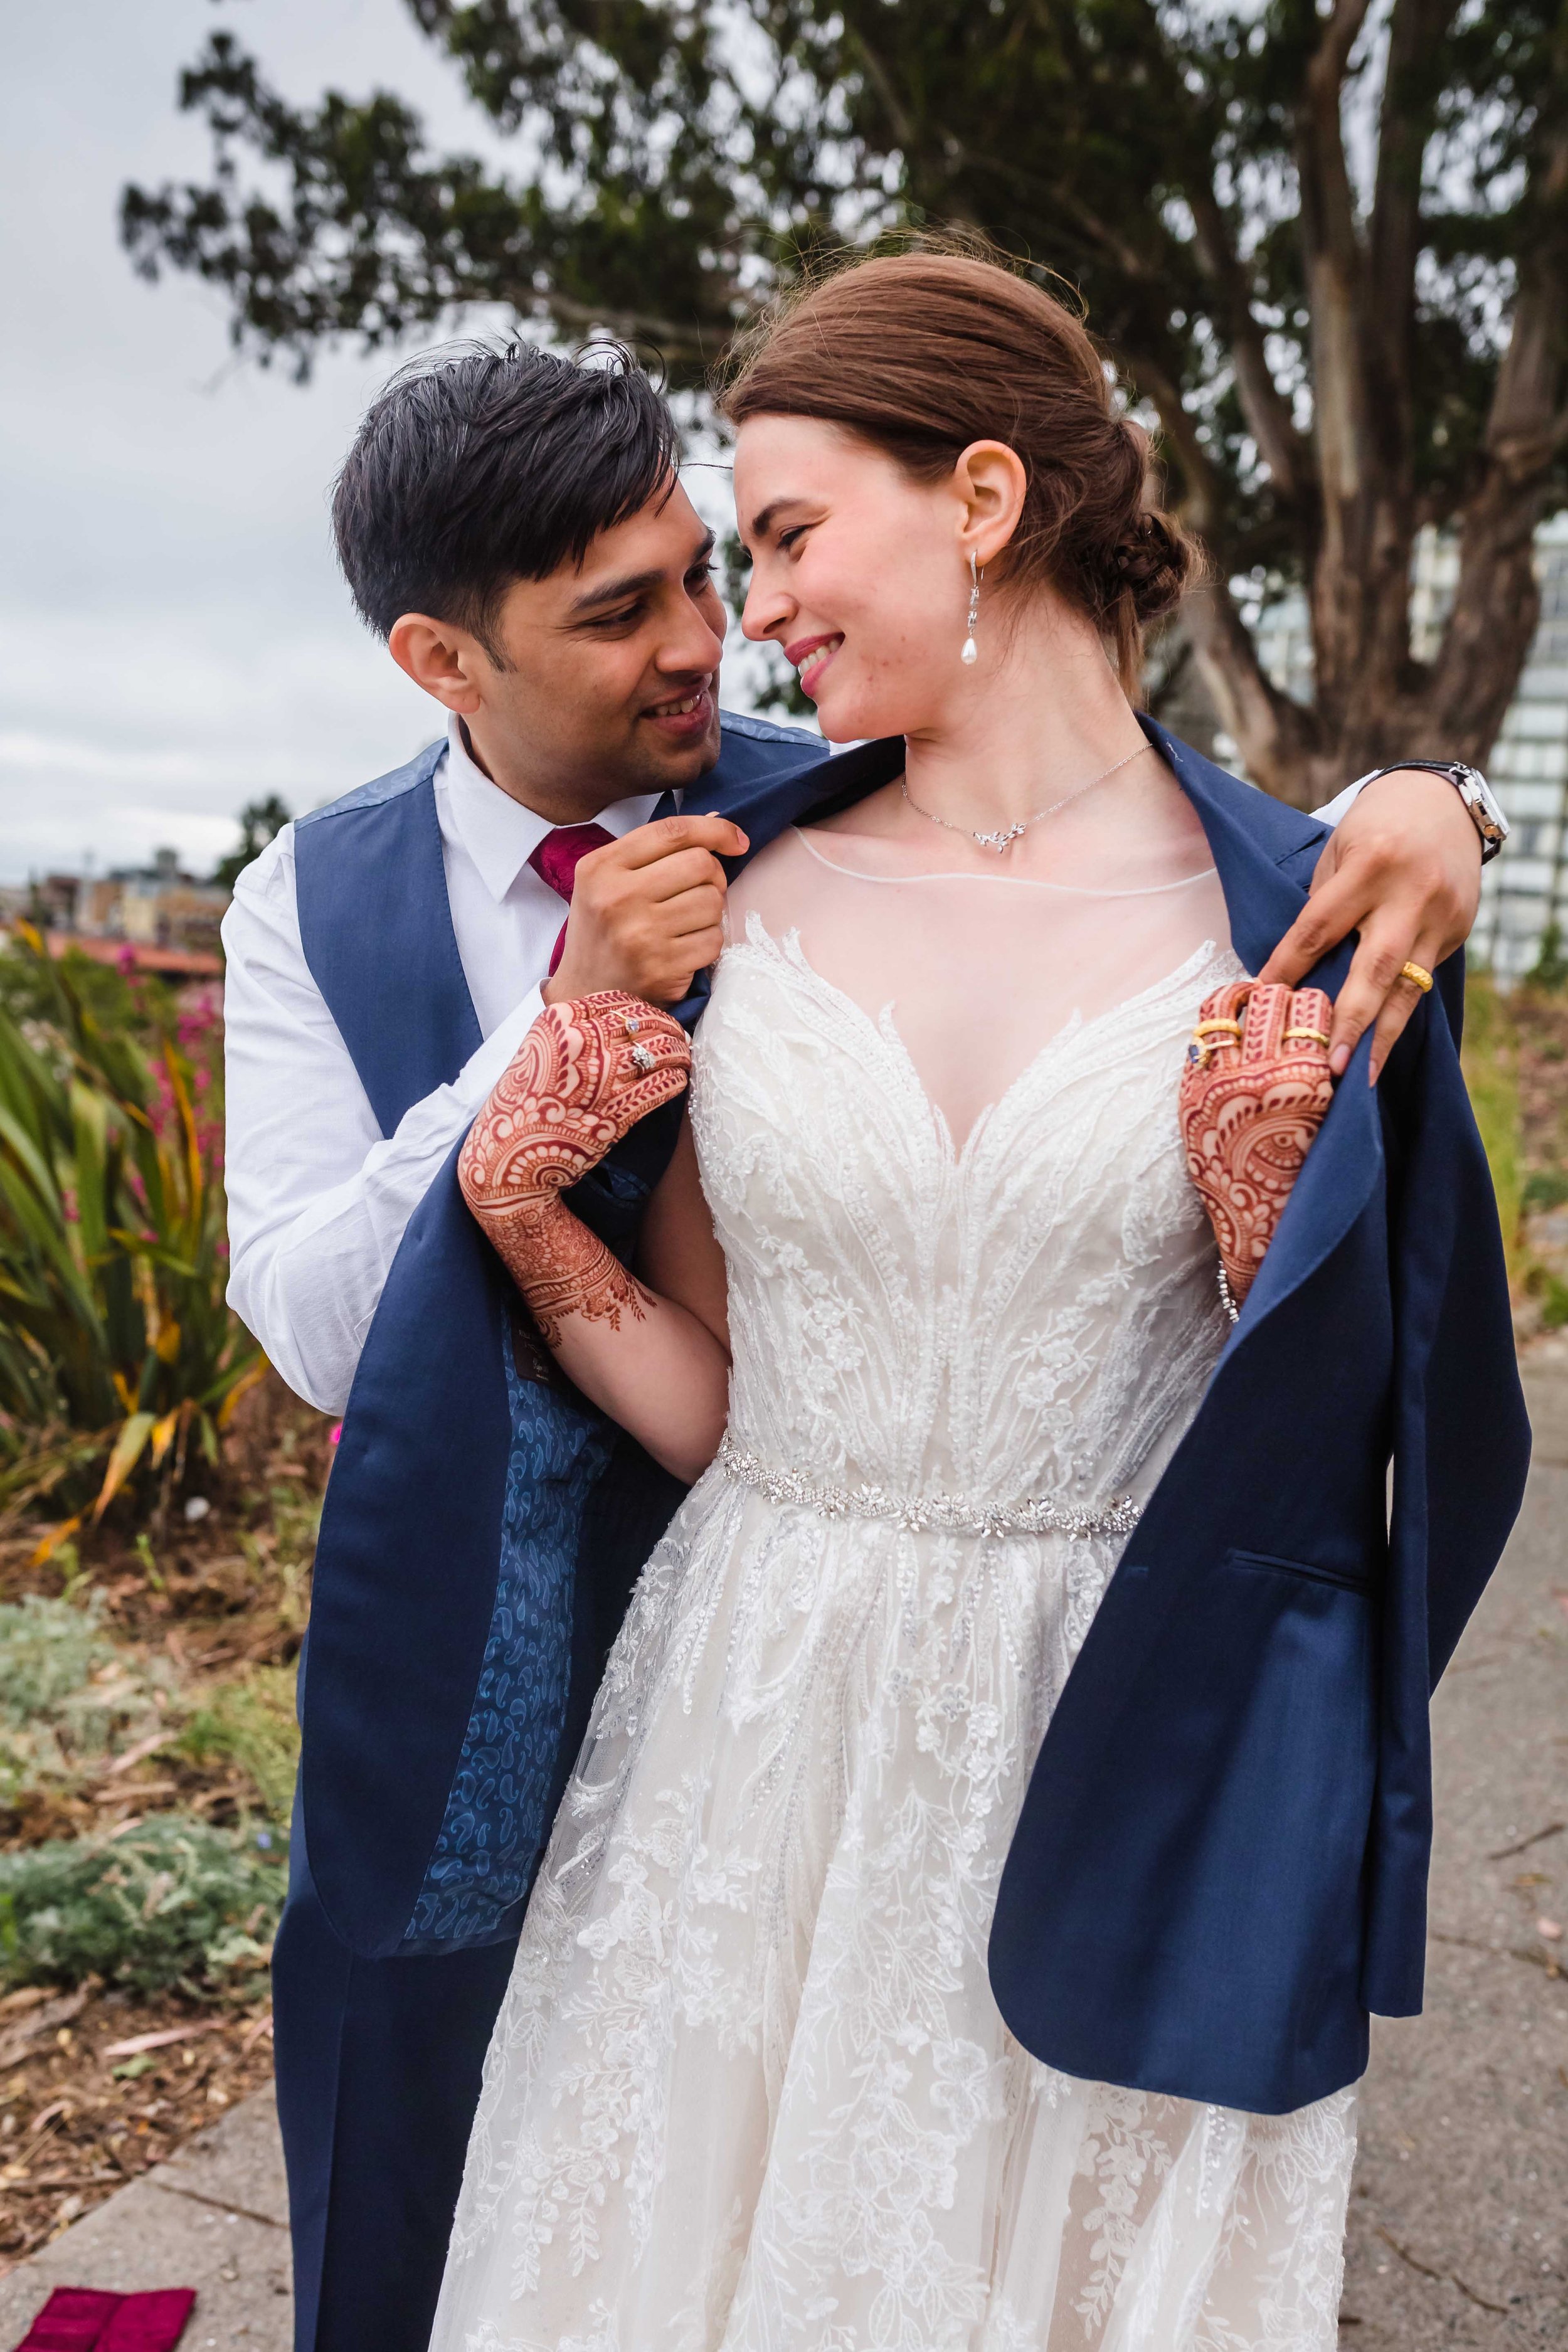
[{"x": 556, "y": 861}]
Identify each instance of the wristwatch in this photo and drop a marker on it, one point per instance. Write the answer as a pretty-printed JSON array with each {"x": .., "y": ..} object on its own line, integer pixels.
[{"x": 1485, "y": 812}]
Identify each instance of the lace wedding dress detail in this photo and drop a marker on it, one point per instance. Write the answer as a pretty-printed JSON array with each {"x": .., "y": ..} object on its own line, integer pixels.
[{"x": 749, "y": 2090}]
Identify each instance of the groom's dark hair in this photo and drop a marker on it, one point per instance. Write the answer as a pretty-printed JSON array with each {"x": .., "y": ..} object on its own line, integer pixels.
[{"x": 481, "y": 464}]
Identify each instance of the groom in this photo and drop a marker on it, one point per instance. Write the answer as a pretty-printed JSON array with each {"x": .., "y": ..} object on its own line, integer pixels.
[{"x": 513, "y": 524}]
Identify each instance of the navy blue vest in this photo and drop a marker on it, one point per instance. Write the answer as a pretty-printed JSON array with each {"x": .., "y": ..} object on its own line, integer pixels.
[
  {"x": 468, "y": 1586},
  {"x": 1220, "y": 1865}
]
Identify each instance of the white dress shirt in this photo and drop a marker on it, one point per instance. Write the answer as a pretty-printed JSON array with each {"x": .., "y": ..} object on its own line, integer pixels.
[{"x": 318, "y": 1198}]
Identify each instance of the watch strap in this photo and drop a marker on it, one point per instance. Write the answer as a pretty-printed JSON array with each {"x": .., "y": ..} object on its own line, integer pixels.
[{"x": 1473, "y": 789}]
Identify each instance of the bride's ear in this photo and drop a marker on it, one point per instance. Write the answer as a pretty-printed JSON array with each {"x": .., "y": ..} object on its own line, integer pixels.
[{"x": 990, "y": 482}]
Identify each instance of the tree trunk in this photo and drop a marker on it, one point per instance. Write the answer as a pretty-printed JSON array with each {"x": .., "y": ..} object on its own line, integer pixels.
[{"x": 1374, "y": 703}]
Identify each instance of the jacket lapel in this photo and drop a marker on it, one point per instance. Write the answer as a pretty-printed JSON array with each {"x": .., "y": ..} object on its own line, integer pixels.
[{"x": 1252, "y": 838}]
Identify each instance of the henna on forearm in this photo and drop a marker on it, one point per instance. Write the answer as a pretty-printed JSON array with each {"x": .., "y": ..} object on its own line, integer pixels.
[
  {"x": 563, "y": 1269},
  {"x": 585, "y": 1073}
]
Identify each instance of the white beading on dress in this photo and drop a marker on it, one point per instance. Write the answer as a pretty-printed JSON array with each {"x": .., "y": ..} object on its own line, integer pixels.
[{"x": 749, "y": 2088}]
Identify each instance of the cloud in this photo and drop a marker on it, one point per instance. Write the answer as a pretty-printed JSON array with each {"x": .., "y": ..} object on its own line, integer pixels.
[{"x": 173, "y": 635}]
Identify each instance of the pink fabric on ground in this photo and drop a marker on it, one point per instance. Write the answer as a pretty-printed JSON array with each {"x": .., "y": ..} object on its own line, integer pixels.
[
  {"x": 84, "y": 2319},
  {"x": 149, "y": 2323},
  {"x": 71, "y": 2321}
]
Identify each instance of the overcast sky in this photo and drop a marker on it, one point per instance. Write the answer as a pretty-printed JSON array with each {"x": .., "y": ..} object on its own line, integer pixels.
[{"x": 174, "y": 638}]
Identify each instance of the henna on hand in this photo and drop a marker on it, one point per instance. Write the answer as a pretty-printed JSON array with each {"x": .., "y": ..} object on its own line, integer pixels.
[
  {"x": 585, "y": 1073},
  {"x": 1254, "y": 1090}
]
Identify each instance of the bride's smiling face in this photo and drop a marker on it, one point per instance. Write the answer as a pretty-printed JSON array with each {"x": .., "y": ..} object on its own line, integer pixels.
[{"x": 861, "y": 572}]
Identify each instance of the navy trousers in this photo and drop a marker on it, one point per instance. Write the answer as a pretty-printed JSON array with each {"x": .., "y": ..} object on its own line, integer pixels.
[{"x": 378, "y": 2076}]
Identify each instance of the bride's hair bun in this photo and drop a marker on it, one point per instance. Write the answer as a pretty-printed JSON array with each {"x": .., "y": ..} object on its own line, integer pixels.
[
  {"x": 1153, "y": 562},
  {"x": 925, "y": 352}
]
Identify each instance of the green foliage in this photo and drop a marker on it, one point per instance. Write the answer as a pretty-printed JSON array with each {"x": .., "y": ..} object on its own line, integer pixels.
[
  {"x": 1550, "y": 969},
  {"x": 1547, "y": 1188},
  {"x": 678, "y": 159},
  {"x": 173, "y": 1902},
  {"x": 1492, "y": 1077},
  {"x": 114, "y": 1333},
  {"x": 1553, "y": 1293},
  {"x": 259, "y": 823},
  {"x": 49, "y": 1650},
  {"x": 251, "y": 1723},
  {"x": 69, "y": 1699},
  {"x": 118, "y": 1005}
]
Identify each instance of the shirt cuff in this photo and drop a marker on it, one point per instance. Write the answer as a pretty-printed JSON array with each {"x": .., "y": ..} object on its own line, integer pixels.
[
  {"x": 1335, "y": 810},
  {"x": 480, "y": 1071}
]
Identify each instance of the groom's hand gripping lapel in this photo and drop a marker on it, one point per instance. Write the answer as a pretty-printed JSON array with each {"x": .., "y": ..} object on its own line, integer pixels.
[
  {"x": 585, "y": 1073},
  {"x": 647, "y": 912}
]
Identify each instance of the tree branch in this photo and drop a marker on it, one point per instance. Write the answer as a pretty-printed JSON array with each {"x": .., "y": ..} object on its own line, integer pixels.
[
  {"x": 1335, "y": 278},
  {"x": 1279, "y": 738},
  {"x": 1201, "y": 504},
  {"x": 1276, "y": 735},
  {"x": 1285, "y": 451}
]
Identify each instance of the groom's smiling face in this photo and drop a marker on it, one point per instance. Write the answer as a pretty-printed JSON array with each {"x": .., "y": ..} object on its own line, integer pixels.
[
  {"x": 629, "y": 642},
  {"x": 600, "y": 681}
]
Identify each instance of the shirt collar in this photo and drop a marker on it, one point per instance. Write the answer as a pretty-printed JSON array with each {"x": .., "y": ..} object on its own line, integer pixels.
[{"x": 498, "y": 833}]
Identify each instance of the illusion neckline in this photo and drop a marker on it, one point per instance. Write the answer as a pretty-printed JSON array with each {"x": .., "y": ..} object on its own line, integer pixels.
[
  {"x": 1017, "y": 881},
  {"x": 884, "y": 1030}
]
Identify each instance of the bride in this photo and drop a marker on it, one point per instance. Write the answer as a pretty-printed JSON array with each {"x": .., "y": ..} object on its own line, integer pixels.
[{"x": 925, "y": 1304}]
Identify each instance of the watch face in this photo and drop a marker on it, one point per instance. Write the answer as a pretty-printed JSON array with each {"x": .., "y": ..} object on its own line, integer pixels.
[{"x": 1484, "y": 806}]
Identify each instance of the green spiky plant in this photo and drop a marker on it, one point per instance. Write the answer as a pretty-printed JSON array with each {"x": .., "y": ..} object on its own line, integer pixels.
[{"x": 115, "y": 1339}]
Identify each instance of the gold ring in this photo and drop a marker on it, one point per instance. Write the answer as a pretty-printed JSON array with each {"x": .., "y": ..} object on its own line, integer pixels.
[
  {"x": 1418, "y": 973},
  {"x": 1318, "y": 1036},
  {"x": 1212, "y": 1028}
]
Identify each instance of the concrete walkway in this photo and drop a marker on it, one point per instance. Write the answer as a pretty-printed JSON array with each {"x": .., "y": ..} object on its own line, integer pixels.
[
  {"x": 1458, "y": 2225},
  {"x": 1457, "y": 2236},
  {"x": 215, "y": 2217}
]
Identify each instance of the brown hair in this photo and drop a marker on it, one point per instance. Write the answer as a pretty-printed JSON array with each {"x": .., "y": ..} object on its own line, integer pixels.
[{"x": 923, "y": 352}]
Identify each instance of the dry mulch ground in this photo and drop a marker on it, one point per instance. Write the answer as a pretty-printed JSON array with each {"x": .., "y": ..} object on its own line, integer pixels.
[{"x": 80, "y": 2115}]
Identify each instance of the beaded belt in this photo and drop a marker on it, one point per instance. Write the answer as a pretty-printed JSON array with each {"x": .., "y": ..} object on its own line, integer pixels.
[{"x": 950, "y": 1514}]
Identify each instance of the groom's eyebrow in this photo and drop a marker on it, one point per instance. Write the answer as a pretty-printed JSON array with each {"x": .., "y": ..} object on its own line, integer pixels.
[{"x": 634, "y": 583}]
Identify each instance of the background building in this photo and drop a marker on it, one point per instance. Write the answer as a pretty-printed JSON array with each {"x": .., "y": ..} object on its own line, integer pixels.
[{"x": 155, "y": 919}]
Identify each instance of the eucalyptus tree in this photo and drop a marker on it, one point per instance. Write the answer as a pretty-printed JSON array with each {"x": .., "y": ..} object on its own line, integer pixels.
[{"x": 1326, "y": 240}]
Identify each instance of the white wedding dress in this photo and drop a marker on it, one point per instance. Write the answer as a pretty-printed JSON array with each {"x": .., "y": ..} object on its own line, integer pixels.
[{"x": 749, "y": 2088}]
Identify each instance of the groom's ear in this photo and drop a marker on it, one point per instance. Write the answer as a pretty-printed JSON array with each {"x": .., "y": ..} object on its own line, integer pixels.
[{"x": 447, "y": 661}]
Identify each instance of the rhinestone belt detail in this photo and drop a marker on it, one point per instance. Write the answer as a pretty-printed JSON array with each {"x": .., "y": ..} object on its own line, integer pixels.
[{"x": 949, "y": 1514}]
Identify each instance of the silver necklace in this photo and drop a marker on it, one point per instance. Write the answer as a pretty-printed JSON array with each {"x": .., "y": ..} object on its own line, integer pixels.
[{"x": 1002, "y": 841}]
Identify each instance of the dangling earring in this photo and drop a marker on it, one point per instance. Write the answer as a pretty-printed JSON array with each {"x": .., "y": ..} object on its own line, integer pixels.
[{"x": 970, "y": 652}]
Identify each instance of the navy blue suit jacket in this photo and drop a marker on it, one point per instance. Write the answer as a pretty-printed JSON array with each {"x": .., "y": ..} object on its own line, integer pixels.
[{"x": 1220, "y": 1866}]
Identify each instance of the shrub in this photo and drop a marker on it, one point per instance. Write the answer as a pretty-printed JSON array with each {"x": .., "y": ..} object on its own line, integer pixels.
[
  {"x": 114, "y": 1335},
  {"x": 1547, "y": 1188},
  {"x": 49, "y": 1650},
  {"x": 251, "y": 1723},
  {"x": 68, "y": 1698},
  {"x": 171, "y": 1903}
]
